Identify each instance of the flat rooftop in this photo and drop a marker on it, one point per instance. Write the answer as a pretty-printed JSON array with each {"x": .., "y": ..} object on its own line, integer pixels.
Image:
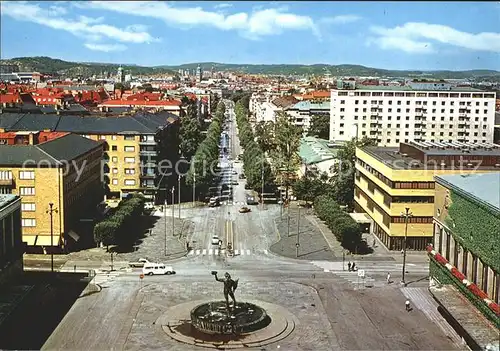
[
  {"x": 394, "y": 158},
  {"x": 483, "y": 187},
  {"x": 409, "y": 88},
  {"x": 455, "y": 147},
  {"x": 6, "y": 199}
]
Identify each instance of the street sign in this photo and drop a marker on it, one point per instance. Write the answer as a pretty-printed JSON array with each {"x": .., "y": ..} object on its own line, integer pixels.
[
  {"x": 141, "y": 276},
  {"x": 361, "y": 273},
  {"x": 297, "y": 244}
]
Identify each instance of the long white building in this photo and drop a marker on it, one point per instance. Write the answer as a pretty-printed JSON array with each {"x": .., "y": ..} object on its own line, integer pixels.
[{"x": 419, "y": 111}]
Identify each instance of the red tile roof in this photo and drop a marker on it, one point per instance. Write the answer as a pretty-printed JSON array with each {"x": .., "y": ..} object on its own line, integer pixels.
[
  {"x": 145, "y": 96},
  {"x": 111, "y": 103},
  {"x": 10, "y": 98},
  {"x": 48, "y": 136}
]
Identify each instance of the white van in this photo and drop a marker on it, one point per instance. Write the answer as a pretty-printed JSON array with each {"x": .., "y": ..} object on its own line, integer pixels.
[{"x": 156, "y": 268}]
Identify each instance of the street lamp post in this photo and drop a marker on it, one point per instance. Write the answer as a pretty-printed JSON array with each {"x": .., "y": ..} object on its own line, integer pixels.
[
  {"x": 165, "y": 216},
  {"x": 51, "y": 211},
  {"x": 297, "y": 244},
  {"x": 179, "y": 194},
  {"x": 194, "y": 186},
  {"x": 262, "y": 186},
  {"x": 407, "y": 214},
  {"x": 173, "y": 211}
]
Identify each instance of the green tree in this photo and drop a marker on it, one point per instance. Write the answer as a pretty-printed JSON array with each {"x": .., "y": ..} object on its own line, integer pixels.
[
  {"x": 106, "y": 232},
  {"x": 190, "y": 132},
  {"x": 320, "y": 126},
  {"x": 343, "y": 186},
  {"x": 148, "y": 87},
  {"x": 264, "y": 135}
]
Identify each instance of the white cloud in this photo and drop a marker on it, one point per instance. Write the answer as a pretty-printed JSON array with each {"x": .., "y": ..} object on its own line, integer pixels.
[
  {"x": 57, "y": 10},
  {"x": 253, "y": 25},
  {"x": 83, "y": 26},
  {"x": 341, "y": 19},
  {"x": 223, "y": 6},
  {"x": 410, "y": 36},
  {"x": 105, "y": 47}
]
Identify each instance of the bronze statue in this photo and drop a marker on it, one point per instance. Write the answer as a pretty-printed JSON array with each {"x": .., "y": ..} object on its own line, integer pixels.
[{"x": 230, "y": 286}]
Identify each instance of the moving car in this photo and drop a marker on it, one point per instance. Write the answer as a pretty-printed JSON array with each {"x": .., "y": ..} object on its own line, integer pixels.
[
  {"x": 214, "y": 202},
  {"x": 215, "y": 240},
  {"x": 245, "y": 210},
  {"x": 139, "y": 263},
  {"x": 252, "y": 201},
  {"x": 157, "y": 268}
]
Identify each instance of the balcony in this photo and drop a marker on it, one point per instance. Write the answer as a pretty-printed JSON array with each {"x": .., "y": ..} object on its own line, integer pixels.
[
  {"x": 7, "y": 182},
  {"x": 147, "y": 153},
  {"x": 147, "y": 142},
  {"x": 148, "y": 175}
]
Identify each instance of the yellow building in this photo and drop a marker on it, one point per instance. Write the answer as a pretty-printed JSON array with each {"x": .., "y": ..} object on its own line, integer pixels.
[
  {"x": 64, "y": 172},
  {"x": 388, "y": 180},
  {"x": 134, "y": 144}
]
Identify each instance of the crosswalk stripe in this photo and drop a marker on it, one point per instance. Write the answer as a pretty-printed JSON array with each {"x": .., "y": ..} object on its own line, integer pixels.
[
  {"x": 209, "y": 251},
  {"x": 242, "y": 252},
  {"x": 235, "y": 252},
  {"x": 204, "y": 252},
  {"x": 248, "y": 252},
  {"x": 191, "y": 252},
  {"x": 216, "y": 251},
  {"x": 198, "y": 251}
]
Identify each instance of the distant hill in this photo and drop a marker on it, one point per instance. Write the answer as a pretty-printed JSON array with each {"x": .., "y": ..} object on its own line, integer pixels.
[
  {"x": 334, "y": 70},
  {"x": 51, "y": 65}
]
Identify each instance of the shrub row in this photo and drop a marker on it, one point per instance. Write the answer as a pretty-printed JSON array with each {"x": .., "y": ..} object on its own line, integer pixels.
[
  {"x": 121, "y": 227},
  {"x": 343, "y": 226}
]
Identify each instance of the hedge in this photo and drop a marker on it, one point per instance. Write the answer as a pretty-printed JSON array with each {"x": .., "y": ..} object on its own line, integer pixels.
[{"x": 342, "y": 225}]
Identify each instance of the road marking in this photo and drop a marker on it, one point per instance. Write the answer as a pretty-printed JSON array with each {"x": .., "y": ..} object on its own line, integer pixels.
[
  {"x": 210, "y": 251},
  {"x": 198, "y": 251},
  {"x": 204, "y": 252},
  {"x": 248, "y": 252},
  {"x": 235, "y": 252},
  {"x": 191, "y": 252},
  {"x": 216, "y": 251},
  {"x": 265, "y": 251}
]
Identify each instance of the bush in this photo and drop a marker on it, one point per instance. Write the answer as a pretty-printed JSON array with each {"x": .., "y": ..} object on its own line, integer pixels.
[{"x": 345, "y": 229}]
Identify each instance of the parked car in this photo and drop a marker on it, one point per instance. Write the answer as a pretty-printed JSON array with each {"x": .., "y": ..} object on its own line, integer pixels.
[
  {"x": 139, "y": 263},
  {"x": 214, "y": 202},
  {"x": 157, "y": 268},
  {"x": 245, "y": 210},
  {"x": 215, "y": 240}
]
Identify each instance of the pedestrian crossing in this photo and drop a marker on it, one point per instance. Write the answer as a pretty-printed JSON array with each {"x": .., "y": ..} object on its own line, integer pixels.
[
  {"x": 370, "y": 270},
  {"x": 217, "y": 252},
  {"x": 104, "y": 276}
]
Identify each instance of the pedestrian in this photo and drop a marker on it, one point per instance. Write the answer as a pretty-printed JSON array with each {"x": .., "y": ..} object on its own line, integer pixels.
[
  {"x": 353, "y": 267},
  {"x": 407, "y": 305},
  {"x": 374, "y": 242},
  {"x": 402, "y": 251},
  {"x": 349, "y": 266},
  {"x": 388, "y": 278}
]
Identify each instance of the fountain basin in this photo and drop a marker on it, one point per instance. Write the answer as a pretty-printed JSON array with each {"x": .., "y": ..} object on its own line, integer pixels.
[{"x": 213, "y": 318}]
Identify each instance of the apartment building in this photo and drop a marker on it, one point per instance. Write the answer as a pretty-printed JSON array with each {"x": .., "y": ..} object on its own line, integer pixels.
[
  {"x": 134, "y": 144},
  {"x": 301, "y": 112},
  {"x": 11, "y": 243},
  {"x": 388, "y": 180},
  {"x": 419, "y": 111},
  {"x": 65, "y": 172}
]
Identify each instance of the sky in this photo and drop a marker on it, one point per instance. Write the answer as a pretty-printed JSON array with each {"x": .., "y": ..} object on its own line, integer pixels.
[{"x": 390, "y": 35}]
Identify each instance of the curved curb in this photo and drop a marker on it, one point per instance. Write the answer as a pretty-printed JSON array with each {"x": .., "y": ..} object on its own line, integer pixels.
[{"x": 282, "y": 325}]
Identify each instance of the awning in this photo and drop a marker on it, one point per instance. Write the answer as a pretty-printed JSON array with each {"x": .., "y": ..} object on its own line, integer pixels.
[
  {"x": 361, "y": 218},
  {"x": 39, "y": 240},
  {"x": 73, "y": 235}
]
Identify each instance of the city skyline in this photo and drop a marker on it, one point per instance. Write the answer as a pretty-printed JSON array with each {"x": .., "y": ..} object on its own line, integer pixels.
[{"x": 421, "y": 36}]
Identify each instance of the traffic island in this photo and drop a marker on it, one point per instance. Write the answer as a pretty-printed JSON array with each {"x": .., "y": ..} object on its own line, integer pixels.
[{"x": 272, "y": 323}]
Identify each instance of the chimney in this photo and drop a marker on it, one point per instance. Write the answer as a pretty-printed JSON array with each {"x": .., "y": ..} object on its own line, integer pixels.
[{"x": 30, "y": 138}]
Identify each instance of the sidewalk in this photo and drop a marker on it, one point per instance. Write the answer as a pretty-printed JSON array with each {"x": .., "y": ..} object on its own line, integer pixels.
[{"x": 313, "y": 245}]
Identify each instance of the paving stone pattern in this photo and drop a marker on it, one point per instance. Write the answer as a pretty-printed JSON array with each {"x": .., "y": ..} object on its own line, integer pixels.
[{"x": 311, "y": 333}]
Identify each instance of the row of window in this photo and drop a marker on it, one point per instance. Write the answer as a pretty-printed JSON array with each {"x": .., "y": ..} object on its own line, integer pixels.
[
  {"x": 417, "y": 119},
  {"x": 420, "y": 103},
  {"x": 420, "y": 94},
  {"x": 392, "y": 184},
  {"x": 125, "y": 148},
  {"x": 7, "y": 175},
  {"x": 28, "y": 222},
  {"x": 128, "y": 182},
  {"x": 114, "y": 159},
  {"x": 115, "y": 137},
  {"x": 417, "y": 111}
]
